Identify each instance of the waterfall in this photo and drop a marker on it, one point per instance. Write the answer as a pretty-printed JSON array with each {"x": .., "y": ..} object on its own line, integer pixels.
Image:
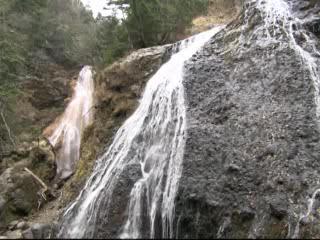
[
  {"x": 154, "y": 138},
  {"x": 280, "y": 22},
  {"x": 78, "y": 115},
  {"x": 282, "y": 26}
]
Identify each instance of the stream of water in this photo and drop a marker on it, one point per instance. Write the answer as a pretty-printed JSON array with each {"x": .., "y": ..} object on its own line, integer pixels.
[{"x": 76, "y": 117}]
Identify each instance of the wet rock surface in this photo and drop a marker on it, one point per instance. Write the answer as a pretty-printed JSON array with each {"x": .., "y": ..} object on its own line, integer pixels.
[
  {"x": 253, "y": 141},
  {"x": 118, "y": 205}
]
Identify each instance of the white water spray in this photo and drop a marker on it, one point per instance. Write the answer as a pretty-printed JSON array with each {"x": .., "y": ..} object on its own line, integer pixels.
[
  {"x": 154, "y": 138},
  {"x": 76, "y": 117}
]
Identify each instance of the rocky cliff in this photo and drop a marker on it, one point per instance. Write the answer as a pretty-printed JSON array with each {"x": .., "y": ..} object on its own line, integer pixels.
[{"x": 251, "y": 161}]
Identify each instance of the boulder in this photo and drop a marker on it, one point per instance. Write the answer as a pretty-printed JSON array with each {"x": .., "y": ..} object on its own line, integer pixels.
[
  {"x": 18, "y": 191},
  {"x": 22, "y": 225},
  {"x": 41, "y": 231}
]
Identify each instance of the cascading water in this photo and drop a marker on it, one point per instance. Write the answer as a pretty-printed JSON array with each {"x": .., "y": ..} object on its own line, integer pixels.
[
  {"x": 154, "y": 138},
  {"x": 76, "y": 117},
  {"x": 278, "y": 17},
  {"x": 283, "y": 27}
]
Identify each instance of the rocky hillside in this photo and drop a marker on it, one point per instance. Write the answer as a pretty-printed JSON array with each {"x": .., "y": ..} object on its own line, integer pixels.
[
  {"x": 250, "y": 164},
  {"x": 43, "y": 98},
  {"x": 118, "y": 89}
]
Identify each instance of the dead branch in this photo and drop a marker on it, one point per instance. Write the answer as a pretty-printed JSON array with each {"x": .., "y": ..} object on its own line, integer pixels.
[
  {"x": 45, "y": 192},
  {"x": 8, "y": 129},
  {"x": 36, "y": 178}
]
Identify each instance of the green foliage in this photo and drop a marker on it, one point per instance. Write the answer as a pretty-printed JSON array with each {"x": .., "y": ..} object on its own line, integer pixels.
[
  {"x": 155, "y": 22},
  {"x": 111, "y": 40},
  {"x": 35, "y": 31},
  {"x": 147, "y": 23}
]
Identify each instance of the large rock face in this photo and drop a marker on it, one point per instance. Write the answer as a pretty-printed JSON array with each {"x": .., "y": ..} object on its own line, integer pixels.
[{"x": 253, "y": 146}]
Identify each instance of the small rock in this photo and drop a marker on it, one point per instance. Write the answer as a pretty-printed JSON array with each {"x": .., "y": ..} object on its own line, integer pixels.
[
  {"x": 247, "y": 214},
  {"x": 22, "y": 225},
  {"x": 3, "y": 237},
  {"x": 193, "y": 196},
  {"x": 27, "y": 234},
  {"x": 271, "y": 149},
  {"x": 233, "y": 168},
  {"x": 278, "y": 208},
  {"x": 22, "y": 152}
]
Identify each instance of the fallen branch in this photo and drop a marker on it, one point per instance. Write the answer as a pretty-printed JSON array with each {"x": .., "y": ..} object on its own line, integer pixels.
[
  {"x": 8, "y": 129},
  {"x": 45, "y": 192},
  {"x": 36, "y": 178}
]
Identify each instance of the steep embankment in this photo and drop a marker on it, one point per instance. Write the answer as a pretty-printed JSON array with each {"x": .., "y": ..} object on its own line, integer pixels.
[
  {"x": 42, "y": 97},
  {"x": 253, "y": 146},
  {"x": 118, "y": 89}
]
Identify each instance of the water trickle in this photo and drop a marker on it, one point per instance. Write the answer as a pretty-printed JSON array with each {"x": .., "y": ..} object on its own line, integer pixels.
[
  {"x": 154, "y": 138},
  {"x": 304, "y": 217},
  {"x": 76, "y": 117}
]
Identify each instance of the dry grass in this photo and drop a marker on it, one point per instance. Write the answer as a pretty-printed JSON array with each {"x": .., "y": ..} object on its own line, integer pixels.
[{"x": 219, "y": 12}]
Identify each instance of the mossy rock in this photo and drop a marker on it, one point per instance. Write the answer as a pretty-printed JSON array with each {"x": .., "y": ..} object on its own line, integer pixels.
[{"x": 42, "y": 163}]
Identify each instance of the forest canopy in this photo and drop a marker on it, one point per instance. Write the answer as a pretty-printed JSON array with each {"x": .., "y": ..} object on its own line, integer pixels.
[{"x": 67, "y": 32}]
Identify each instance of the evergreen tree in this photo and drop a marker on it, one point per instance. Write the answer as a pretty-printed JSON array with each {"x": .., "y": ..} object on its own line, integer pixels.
[{"x": 156, "y": 22}]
